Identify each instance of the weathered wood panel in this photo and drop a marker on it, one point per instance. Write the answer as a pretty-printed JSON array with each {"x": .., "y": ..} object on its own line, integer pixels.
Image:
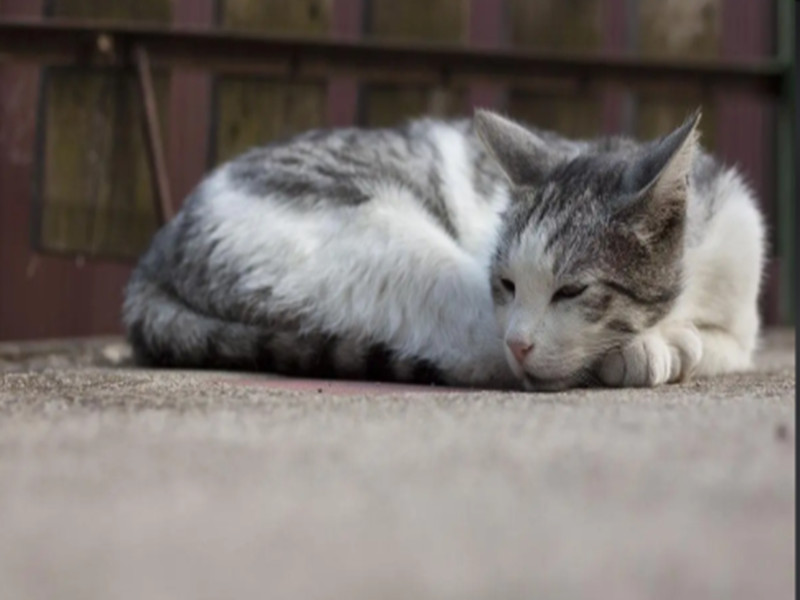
[
  {"x": 252, "y": 111},
  {"x": 95, "y": 188},
  {"x": 558, "y": 25},
  {"x": 573, "y": 25},
  {"x": 41, "y": 296},
  {"x": 96, "y": 191},
  {"x": 574, "y": 115},
  {"x": 680, "y": 29},
  {"x": 419, "y": 20},
  {"x": 389, "y": 105},
  {"x": 277, "y": 16},
  {"x": 138, "y": 10}
]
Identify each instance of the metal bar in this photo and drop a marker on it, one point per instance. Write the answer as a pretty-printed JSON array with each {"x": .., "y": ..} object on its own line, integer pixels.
[
  {"x": 154, "y": 144},
  {"x": 60, "y": 41},
  {"x": 786, "y": 159}
]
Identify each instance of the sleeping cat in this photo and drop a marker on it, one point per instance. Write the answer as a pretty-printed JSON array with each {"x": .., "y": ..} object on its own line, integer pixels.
[{"x": 470, "y": 252}]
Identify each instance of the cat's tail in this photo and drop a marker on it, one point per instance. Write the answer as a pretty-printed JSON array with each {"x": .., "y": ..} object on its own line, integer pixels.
[
  {"x": 167, "y": 329},
  {"x": 165, "y": 332}
]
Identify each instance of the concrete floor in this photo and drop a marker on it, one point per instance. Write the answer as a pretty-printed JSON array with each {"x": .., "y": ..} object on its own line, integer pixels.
[{"x": 124, "y": 483}]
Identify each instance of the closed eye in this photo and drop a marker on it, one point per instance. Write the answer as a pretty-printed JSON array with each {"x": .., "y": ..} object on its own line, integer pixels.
[
  {"x": 508, "y": 285},
  {"x": 567, "y": 292}
]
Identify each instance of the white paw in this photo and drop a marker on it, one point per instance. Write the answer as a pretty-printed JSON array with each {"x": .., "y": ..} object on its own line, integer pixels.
[{"x": 664, "y": 354}]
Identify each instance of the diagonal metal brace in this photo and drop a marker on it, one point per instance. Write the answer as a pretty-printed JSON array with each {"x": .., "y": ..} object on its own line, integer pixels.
[{"x": 153, "y": 140}]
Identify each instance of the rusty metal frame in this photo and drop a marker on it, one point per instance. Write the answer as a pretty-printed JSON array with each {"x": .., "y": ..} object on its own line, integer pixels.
[
  {"x": 152, "y": 129},
  {"x": 58, "y": 41}
]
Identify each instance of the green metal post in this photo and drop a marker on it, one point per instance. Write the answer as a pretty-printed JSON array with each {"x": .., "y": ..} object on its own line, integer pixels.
[{"x": 786, "y": 163}]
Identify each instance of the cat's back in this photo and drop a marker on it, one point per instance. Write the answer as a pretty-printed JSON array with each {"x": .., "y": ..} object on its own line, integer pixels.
[
  {"x": 345, "y": 167},
  {"x": 356, "y": 247},
  {"x": 428, "y": 175}
]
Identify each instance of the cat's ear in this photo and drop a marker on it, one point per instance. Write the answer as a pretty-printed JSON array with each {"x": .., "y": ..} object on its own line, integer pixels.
[
  {"x": 522, "y": 155},
  {"x": 656, "y": 183}
]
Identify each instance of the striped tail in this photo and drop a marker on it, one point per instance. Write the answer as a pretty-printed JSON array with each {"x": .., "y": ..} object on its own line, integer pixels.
[{"x": 165, "y": 331}]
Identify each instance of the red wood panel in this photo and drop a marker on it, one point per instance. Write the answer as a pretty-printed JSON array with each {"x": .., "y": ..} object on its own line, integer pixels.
[
  {"x": 341, "y": 107},
  {"x": 189, "y": 109},
  {"x": 41, "y": 296},
  {"x": 615, "y": 41},
  {"x": 488, "y": 29},
  {"x": 44, "y": 296}
]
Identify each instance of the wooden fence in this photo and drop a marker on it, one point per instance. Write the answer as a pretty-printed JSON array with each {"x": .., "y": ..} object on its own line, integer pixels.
[{"x": 76, "y": 197}]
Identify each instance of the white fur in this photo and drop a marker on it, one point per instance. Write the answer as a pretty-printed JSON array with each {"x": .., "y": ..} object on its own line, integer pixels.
[
  {"x": 477, "y": 226},
  {"x": 436, "y": 302},
  {"x": 714, "y": 326}
]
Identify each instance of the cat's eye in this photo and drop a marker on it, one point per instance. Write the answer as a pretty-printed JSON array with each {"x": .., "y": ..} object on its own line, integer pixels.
[
  {"x": 568, "y": 291},
  {"x": 508, "y": 285}
]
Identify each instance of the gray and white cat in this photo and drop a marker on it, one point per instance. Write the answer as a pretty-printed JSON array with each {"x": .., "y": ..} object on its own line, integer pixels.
[{"x": 471, "y": 252}]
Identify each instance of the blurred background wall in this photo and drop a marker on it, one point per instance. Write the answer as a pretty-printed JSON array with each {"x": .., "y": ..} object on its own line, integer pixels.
[{"x": 76, "y": 202}]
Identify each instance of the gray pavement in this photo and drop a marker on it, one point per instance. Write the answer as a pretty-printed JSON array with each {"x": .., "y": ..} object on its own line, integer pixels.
[{"x": 124, "y": 483}]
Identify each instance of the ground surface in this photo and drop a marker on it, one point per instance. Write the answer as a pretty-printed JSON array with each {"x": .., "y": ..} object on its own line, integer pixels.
[{"x": 123, "y": 483}]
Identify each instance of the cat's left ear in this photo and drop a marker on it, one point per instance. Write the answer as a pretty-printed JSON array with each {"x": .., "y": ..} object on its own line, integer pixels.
[
  {"x": 523, "y": 156},
  {"x": 656, "y": 184}
]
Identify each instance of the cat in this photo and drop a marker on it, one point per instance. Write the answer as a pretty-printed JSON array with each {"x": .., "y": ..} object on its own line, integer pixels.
[{"x": 475, "y": 252}]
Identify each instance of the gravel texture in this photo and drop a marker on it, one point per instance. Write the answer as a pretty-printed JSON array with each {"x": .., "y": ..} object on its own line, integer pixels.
[{"x": 123, "y": 483}]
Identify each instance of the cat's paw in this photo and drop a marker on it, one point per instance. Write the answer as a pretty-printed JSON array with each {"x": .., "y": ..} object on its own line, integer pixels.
[{"x": 664, "y": 354}]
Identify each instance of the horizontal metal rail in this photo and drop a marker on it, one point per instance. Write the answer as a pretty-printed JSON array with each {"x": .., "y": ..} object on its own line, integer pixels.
[{"x": 56, "y": 41}]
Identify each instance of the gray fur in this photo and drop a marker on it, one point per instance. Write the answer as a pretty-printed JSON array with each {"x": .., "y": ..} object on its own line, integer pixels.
[{"x": 342, "y": 166}]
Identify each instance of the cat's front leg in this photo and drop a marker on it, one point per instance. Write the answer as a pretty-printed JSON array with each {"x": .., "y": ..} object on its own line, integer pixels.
[{"x": 666, "y": 353}]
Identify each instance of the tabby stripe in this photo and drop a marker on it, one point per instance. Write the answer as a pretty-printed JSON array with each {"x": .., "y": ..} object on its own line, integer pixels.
[
  {"x": 596, "y": 308},
  {"x": 264, "y": 358},
  {"x": 666, "y": 296},
  {"x": 378, "y": 364},
  {"x": 559, "y": 233},
  {"x": 140, "y": 346},
  {"x": 322, "y": 363},
  {"x": 437, "y": 205},
  {"x": 426, "y": 373},
  {"x": 211, "y": 357},
  {"x": 621, "y": 325}
]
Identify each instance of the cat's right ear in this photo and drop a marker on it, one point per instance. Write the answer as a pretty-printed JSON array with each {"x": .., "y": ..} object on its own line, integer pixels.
[
  {"x": 657, "y": 183},
  {"x": 522, "y": 155}
]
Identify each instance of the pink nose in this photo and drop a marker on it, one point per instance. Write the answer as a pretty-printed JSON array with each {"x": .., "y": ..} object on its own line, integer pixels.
[{"x": 519, "y": 349}]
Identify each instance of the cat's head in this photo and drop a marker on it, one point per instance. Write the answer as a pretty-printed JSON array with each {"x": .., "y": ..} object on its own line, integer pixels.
[{"x": 592, "y": 245}]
